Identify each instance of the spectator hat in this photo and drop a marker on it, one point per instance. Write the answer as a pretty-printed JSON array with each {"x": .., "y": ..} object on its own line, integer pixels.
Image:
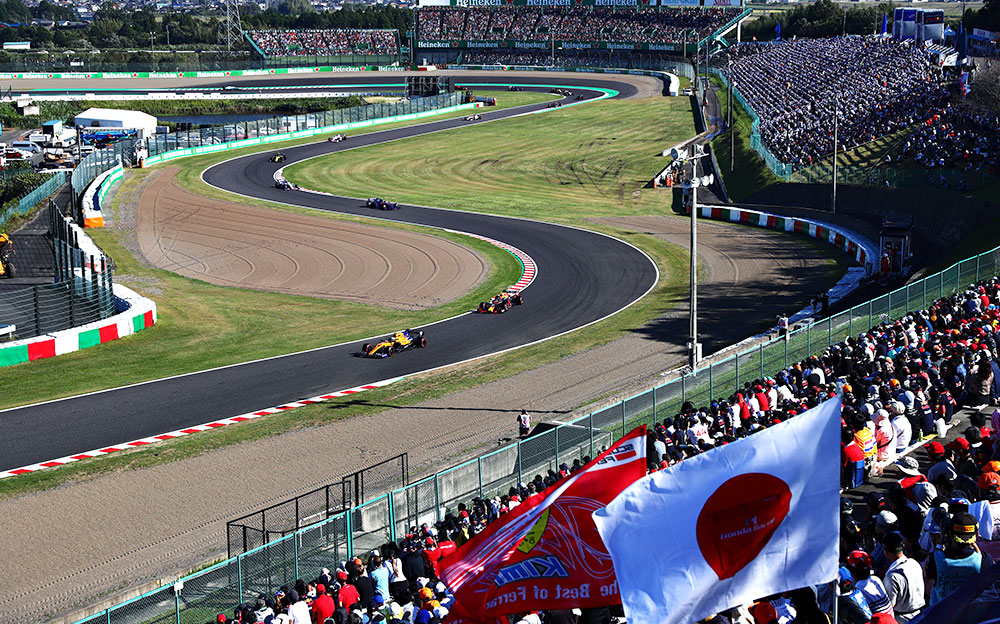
[
  {"x": 342, "y": 575},
  {"x": 989, "y": 481},
  {"x": 964, "y": 528},
  {"x": 859, "y": 560},
  {"x": 885, "y": 519},
  {"x": 993, "y": 466},
  {"x": 893, "y": 542},
  {"x": 320, "y": 588},
  {"x": 425, "y": 593},
  {"x": 935, "y": 449},
  {"x": 909, "y": 466},
  {"x": 221, "y": 618},
  {"x": 293, "y": 597},
  {"x": 959, "y": 444}
]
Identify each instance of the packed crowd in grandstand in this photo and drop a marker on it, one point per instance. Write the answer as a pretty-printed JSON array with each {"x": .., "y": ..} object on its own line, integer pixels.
[
  {"x": 560, "y": 58},
  {"x": 325, "y": 42},
  {"x": 954, "y": 139},
  {"x": 879, "y": 85},
  {"x": 900, "y": 382},
  {"x": 597, "y": 24}
]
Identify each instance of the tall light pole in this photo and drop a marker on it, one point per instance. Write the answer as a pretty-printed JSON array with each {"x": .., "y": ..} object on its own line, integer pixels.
[
  {"x": 692, "y": 183},
  {"x": 836, "y": 123}
]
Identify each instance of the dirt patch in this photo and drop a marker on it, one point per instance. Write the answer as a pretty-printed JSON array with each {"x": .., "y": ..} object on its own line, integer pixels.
[
  {"x": 249, "y": 247},
  {"x": 94, "y": 538}
]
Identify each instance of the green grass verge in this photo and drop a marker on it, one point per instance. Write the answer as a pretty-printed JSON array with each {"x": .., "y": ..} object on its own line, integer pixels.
[
  {"x": 561, "y": 166},
  {"x": 671, "y": 289},
  {"x": 233, "y": 325},
  {"x": 750, "y": 173}
]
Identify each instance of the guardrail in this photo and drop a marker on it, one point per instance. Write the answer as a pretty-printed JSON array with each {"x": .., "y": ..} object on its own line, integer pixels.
[{"x": 305, "y": 552}]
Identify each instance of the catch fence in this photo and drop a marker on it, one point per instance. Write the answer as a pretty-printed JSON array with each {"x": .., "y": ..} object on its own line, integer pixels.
[
  {"x": 260, "y": 527},
  {"x": 82, "y": 292},
  {"x": 276, "y": 128},
  {"x": 23, "y": 204},
  {"x": 305, "y": 552}
]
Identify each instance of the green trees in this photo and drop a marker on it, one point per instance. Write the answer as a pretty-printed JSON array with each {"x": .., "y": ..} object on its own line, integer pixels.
[{"x": 822, "y": 18}]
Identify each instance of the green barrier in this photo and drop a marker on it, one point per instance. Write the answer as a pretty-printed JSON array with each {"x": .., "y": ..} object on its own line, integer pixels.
[{"x": 221, "y": 147}]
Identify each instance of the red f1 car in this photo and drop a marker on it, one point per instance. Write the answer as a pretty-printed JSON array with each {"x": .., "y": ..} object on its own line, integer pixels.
[{"x": 501, "y": 302}]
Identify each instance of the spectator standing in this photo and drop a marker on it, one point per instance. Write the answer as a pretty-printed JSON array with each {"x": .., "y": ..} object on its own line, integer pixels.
[
  {"x": 959, "y": 560},
  {"x": 523, "y": 424},
  {"x": 298, "y": 610},
  {"x": 379, "y": 574},
  {"x": 324, "y": 605},
  {"x": 903, "y": 581}
]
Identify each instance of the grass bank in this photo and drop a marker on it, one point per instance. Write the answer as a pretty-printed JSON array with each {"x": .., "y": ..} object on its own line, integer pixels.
[
  {"x": 561, "y": 166},
  {"x": 233, "y": 325}
]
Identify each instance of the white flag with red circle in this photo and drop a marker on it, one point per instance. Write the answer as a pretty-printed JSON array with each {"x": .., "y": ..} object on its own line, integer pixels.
[{"x": 743, "y": 521}]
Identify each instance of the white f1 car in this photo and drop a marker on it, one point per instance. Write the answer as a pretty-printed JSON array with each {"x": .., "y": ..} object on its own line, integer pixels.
[{"x": 475, "y": 117}]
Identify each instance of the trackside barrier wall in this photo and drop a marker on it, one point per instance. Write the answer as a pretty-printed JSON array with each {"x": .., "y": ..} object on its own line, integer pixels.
[
  {"x": 93, "y": 198},
  {"x": 166, "y": 147},
  {"x": 204, "y": 140},
  {"x": 304, "y": 553},
  {"x": 83, "y": 308}
]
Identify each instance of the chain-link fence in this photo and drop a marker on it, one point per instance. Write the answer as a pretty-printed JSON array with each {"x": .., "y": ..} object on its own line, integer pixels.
[
  {"x": 366, "y": 526},
  {"x": 893, "y": 177},
  {"x": 81, "y": 294},
  {"x": 218, "y": 134},
  {"x": 281, "y": 519},
  {"x": 23, "y": 204}
]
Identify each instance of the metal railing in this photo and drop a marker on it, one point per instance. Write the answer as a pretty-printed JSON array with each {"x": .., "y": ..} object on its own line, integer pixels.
[
  {"x": 99, "y": 161},
  {"x": 306, "y": 551},
  {"x": 278, "y": 520},
  {"x": 82, "y": 292},
  {"x": 31, "y": 198},
  {"x": 225, "y": 133}
]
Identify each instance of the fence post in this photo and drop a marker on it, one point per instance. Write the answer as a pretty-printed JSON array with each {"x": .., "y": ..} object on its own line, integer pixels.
[
  {"x": 977, "y": 267},
  {"x": 107, "y": 615},
  {"x": 437, "y": 498},
  {"x": 623, "y": 417},
  {"x": 711, "y": 384},
  {"x": 786, "y": 341},
  {"x": 350, "y": 530},
  {"x": 654, "y": 404},
  {"x": 177, "y": 605},
  {"x": 809, "y": 335},
  {"x": 850, "y": 319},
  {"x": 556, "y": 432},
  {"x": 591, "y": 417},
  {"x": 682, "y": 388},
  {"x": 295, "y": 551},
  {"x": 479, "y": 466},
  {"x": 829, "y": 331},
  {"x": 737, "y": 387},
  {"x": 392, "y": 515},
  {"x": 761, "y": 358},
  {"x": 239, "y": 579},
  {"x": 519, "y": 476},
  {"x": 870, "y": 314}
]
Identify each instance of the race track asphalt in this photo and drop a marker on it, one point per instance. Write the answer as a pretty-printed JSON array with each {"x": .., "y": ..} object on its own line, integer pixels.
[{"x": 582, "y": 277}]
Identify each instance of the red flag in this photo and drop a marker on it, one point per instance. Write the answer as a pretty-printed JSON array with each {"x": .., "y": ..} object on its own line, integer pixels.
[{"x": 546, "y": 553}]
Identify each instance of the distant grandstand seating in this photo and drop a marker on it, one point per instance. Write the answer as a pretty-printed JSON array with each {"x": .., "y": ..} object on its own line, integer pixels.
[
  {"x": 881, "y": 85},
  {"x": 325, "y": 42},
  {"x": 577, "y": 23}
]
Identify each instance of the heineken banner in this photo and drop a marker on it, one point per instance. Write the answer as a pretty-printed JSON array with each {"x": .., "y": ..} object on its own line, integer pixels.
[{"x": 546, "y": 45}]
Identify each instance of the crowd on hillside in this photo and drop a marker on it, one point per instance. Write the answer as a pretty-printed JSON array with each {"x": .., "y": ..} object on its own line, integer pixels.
[
  {"x": 325, "y": 42},
  {"x": 577, "y": 23},
  {"x": 953, "y": 138},
  {"x": 901, "y": 551},
  {"x": 878, "y": 85}
]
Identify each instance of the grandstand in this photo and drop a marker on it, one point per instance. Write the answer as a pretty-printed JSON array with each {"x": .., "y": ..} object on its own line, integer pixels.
[
  {"x": 325, "y": 46},
  {"x": 585, "y": 27}
]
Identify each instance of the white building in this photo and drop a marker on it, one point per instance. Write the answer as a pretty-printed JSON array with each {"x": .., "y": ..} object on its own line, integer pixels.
[{"x": 113, "y": 118}]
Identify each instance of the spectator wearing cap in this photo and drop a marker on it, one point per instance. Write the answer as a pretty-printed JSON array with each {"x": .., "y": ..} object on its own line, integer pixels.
[
  {"x": 298, "y": 610},
  {"x": 348, "y": 595},
  {"x": 362, "y": 582},
  {"x": 903, "y": 580},
  {"x": 986, "y": 511},
  {"x": 979, "y": 382},
  {"x": 959, "y": 560},
  {"x": 942, "y": 462},
  {"x": 908, "y": 520},
  {"x": 853, "y": 606},
  {"x": 324, "y": 605},
  {"x": 860, "y": 565}
]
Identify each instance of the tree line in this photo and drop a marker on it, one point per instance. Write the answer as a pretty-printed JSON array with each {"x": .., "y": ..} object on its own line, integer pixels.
[{"x": 113, "y": 28}]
